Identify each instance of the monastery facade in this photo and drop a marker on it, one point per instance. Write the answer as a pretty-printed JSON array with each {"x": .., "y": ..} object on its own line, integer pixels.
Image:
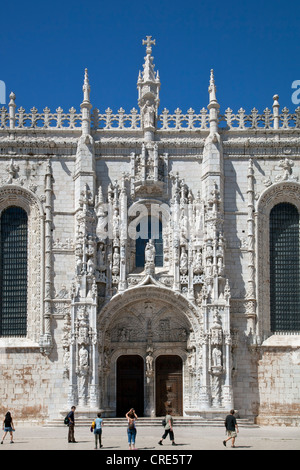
[{"x": 150, "y": 259}]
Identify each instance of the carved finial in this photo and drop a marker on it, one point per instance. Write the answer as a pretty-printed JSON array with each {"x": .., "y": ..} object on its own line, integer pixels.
[
  {"x": 213, "y": 107},
  {"x": 86, "y": 86},
  {"x": 12, "y": 98},
  {"x": 149, "y": 42},
  {"x": 212, "y": 88},
  {"x": 12, "y": 110},
  {"x": 276, "y": 117},
  {"x": 276, "y": 98},
  {"x": 86, "y": 105}
]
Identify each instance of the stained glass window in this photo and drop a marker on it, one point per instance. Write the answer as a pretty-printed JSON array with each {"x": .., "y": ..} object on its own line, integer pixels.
[
  {"x": 13, "y": 272},
  {"x": 284, "y": 268},
  {"x": 149, "y": 229}
]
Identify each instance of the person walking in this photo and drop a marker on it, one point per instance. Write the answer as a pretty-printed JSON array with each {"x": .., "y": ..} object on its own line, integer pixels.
[
  {"x": 71, "y": 417},
  {"x": 98, "y": 430},
  {"x": 231, "y": 428},
  {"x": 131, "y": 429},
  {"x": 8, "y": 426},
  {"x": 168, "y": 428}
]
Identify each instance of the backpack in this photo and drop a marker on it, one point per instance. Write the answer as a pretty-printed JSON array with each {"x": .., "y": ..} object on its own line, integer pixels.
[
  {"x": 164, "y": 422},
  {"x": 131, "y": 425},
  {"x": 66, "y": 420}
]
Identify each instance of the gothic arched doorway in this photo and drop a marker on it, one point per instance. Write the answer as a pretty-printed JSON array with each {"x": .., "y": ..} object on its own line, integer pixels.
[
  {"x": 130, "y": 384},
  {"x": 169, "y": 385}
]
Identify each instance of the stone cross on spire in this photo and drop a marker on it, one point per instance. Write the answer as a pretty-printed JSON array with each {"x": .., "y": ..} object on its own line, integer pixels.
[{"x": 149, "y": 41}]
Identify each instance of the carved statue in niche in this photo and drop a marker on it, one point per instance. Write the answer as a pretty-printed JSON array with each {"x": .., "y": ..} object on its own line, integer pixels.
[
  {"x": 116, "y": 262},
  {"x": 83, "y": 359},
  {"x": 184, "y": 230},
  {"x": 149, "y": 362},
  {"x": 82, "y": 326},
  {"x": 101, "y": 262},
  {"x": 148, "y": 114},
  {"x": 183, "y": 261},
  {"x": 198, "y": 267},
  {"x": 216, "y": 357},
  {"x": 149, "y": 365},
  {"x": 116, "y": 224},
  {"x": 150, "y": 252},
  {"x": 90, "y": 266},
  {"x": 216, "y": 343}
]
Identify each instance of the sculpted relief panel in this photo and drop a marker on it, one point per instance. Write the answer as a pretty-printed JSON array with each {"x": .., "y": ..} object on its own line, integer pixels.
[{"x": 148, "y": 323}]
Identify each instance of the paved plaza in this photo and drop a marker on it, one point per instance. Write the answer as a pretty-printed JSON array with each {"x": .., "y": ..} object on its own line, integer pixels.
[{"x": 114, "y": 439}]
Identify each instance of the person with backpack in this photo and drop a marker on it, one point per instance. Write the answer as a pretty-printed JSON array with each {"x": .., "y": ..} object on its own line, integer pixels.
[
  {"x": 98, "y": 423},
  {"x": 168, "y": 426},
  {"x": 71, "y": 424},
  {"x": 131, "y": 429}
]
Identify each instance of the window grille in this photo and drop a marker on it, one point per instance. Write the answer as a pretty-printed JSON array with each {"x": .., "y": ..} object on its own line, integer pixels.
[
  {"x": 284, "y": 268},
  {"x": 13, "y": 272},
  {"x": 154, "y": 233}
]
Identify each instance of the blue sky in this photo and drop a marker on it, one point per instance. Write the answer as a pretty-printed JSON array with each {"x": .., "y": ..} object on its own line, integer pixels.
[{"x": 253, "y": 48}]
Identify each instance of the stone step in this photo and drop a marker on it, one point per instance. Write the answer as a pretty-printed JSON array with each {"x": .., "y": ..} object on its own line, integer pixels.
[{"x": 178, "y": 422}]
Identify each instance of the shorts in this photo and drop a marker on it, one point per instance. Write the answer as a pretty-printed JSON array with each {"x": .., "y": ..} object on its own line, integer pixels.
[
  {"x": 170, "y": 432},
  {"x": 232, "y": 433},
  {"x": 8, "y": 429}
]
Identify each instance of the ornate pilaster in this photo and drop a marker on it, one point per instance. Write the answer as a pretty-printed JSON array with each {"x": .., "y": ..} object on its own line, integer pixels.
[
  {"x": 46, "y": 337},
  {"x": 251, "y": 288}
]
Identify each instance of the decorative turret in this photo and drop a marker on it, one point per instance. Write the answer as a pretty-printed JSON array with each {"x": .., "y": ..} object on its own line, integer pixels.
[
  {"x": 148, "y": 87},
  {"x": 212, "y": 163},
  {"x": 85, "y": 155}
]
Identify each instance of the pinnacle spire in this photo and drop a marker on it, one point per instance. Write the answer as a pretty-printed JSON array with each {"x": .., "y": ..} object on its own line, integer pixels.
[
  {"x": 212, "y": 89},
  {"x": 213, "y": 105},
  {"x": 149, "y": 68},
  {"x": 86, "y": 86},
  {"x": 86, "y": 105},
  {"x": 148, "y": 80}
]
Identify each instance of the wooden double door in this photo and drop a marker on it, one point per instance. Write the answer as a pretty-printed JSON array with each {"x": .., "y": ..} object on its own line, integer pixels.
[{"x": 168, "y": 385}]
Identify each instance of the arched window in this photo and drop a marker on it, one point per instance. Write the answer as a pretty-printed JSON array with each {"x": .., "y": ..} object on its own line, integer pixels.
[
  {"x": 13, "y": 272},
  {"x": 284, "y": 268},
  {"x": 149, "y": 228}
]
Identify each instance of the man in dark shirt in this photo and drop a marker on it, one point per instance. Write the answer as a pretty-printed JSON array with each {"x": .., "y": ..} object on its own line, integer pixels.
[
  {"x": 231, "y": 428},
  {"x": 71, "y": 417}
]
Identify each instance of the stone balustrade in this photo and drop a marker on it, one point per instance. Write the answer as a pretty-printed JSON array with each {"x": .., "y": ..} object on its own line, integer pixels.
[{"x": 9, "y": 119}]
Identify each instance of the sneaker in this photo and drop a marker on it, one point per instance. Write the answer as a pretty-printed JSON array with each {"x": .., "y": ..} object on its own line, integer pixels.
[
  {"x": 224, "y": 443},
  {"x": 174, "y": 444},
  {"x": 160, "y": 443}
]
